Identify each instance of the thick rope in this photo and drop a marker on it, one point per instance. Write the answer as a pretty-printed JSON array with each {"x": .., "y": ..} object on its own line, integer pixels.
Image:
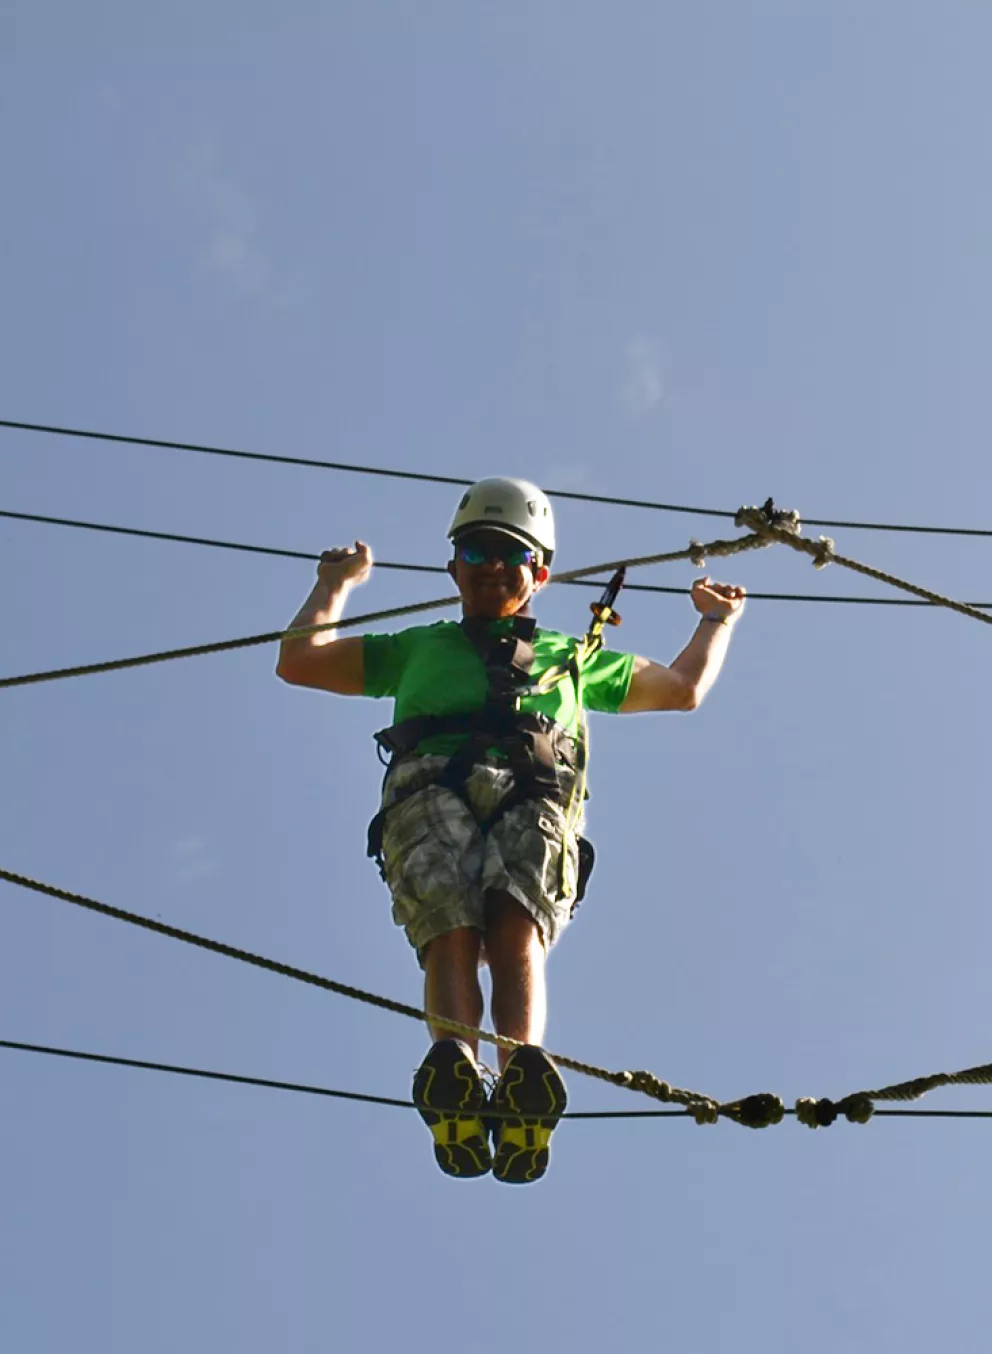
[
  {"x": 701, "y": 1106},
  {"x": 753, "y": 1111},
  {"x": 278, "y": 553},
  {"x": 696, "y": 553},
  {"x": 859, "y": 1106},
  {"x": 785, "y": 528},
  {"x": 766, "y": 524}
]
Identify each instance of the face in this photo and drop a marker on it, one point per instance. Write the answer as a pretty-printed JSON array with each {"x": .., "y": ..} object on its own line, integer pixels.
[{"x": 493, "y": 576}]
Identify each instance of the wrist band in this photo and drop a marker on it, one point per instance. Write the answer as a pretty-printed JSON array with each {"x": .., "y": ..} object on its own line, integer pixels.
[{"x": 717, "y": 620}]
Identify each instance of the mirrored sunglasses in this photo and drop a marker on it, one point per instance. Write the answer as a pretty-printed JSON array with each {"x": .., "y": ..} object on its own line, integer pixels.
[{"x": 513, "y": 555}]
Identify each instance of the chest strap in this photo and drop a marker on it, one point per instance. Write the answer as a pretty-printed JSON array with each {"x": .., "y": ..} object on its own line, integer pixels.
[{"x": 533, "y": 744}]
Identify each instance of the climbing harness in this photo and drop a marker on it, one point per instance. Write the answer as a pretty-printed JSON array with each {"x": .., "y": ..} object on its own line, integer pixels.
[{"x": 546, "y": 762}]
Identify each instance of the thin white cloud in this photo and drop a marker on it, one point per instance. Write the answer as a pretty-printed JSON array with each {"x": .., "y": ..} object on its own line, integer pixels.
[
  {"x": 109, "y": 98},
  {"x": 193, "y": 859},
  {"x": 233, "y": 249},
  {"x": 644, "y": 381}
]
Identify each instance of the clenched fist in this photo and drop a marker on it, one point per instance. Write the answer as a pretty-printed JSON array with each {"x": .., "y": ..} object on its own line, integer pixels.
[
  {"x": 345, "y": 565},
  {"x": 718, "y": 599}
]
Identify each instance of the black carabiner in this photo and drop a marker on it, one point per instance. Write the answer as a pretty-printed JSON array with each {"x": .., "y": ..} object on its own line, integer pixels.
[{"x": 603, "y": 609}]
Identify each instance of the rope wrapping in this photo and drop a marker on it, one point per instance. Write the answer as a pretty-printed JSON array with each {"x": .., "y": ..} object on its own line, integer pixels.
[
  {"x": 822, "y": 553},
  {"x": 859, "y": 1106}
]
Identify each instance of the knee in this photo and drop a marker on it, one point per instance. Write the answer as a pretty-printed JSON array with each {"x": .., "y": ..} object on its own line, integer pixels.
[
  {"x": 511, "y": 932},
  {"x": 460, "y": 946}
]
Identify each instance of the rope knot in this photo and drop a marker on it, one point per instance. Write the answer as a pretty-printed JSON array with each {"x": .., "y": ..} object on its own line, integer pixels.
[
  {"x": 757, "y": 1111},
  {"x": 697, "y": 554},
  {"x": 822, "y": 552},
  {"x": 816, "y": 1113},
  {"x": 704, "y": 1112},
  {"x": 768, "y": 516},
  {"x": 857, "y": 1108}
]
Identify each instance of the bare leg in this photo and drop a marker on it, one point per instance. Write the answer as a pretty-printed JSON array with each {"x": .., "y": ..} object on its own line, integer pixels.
[
  {"x": 451, "y": 985},
  {"x": 516, "y": 962}
]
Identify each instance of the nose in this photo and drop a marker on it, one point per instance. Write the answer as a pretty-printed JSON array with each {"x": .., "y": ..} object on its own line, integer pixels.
[{"x": 492, "y": 562}]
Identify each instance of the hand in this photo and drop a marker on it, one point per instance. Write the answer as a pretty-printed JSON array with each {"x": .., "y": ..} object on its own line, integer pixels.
[
  {"x": 347, "y": 566},
  {"x": 718, "y": 599}
]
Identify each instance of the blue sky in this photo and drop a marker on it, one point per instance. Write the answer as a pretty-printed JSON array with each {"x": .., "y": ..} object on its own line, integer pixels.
[{"x": 697, "y": 254}]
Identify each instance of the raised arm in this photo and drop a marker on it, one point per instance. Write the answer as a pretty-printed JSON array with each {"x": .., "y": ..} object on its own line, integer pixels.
[
  {"x": 683, "y": 685},
  {"x": 323, "y": 660}
]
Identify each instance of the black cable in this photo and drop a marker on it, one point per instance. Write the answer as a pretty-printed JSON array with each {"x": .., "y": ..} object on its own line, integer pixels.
[
  {"x": 301, "y": 1088},
  {"x": 422, "y": 476},
  {"x": 180, "y": 539},
  {"x": 199, "y": 540},
  {"x": 315, "y": 464},
  {"x": 202, "y": 1073},
  {"x": 298, "y": 1087}
]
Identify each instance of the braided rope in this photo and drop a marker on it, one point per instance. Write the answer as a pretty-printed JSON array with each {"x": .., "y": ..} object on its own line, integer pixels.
[
  {"x": 823, "y": 553},
  {"x": 859, "y": 1106},
  {"x": 645, "y": 1082},
  {"x": 753, "y": 1111},
  {"x": 694, "y": 552},
  {"x": 919, "y": 1086}
]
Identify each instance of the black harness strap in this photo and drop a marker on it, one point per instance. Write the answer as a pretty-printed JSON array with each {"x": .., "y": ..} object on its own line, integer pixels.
[{"x": 534, "y": 745}]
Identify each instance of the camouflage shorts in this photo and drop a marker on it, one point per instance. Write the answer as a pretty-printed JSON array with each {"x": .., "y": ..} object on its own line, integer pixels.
[{"x": 439, "y": 865}]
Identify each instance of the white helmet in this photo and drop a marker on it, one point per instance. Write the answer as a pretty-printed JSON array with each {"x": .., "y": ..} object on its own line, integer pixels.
[{"x": 516, "y": 507}]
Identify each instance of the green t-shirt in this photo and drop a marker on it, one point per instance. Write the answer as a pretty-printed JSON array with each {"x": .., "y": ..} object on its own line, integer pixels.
[{"x": 436, "y": 670}]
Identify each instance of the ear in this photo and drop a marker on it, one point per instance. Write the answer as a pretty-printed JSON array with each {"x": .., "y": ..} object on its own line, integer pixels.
[{"x": 541, "y": 575}]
